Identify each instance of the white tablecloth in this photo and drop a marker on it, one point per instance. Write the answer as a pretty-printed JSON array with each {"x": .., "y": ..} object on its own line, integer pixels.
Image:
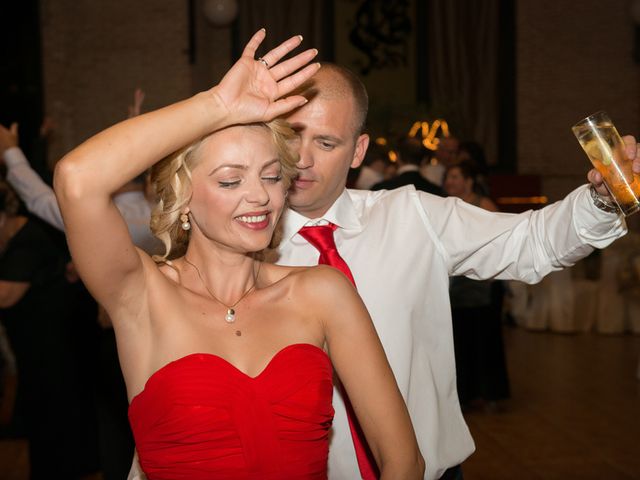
[{"x": 568, "y": 301}]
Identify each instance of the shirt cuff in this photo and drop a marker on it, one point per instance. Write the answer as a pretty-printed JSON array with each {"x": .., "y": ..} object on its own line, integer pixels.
[
  {"x": 595, "y": 226},
  {"x": 13, "y": 156}
]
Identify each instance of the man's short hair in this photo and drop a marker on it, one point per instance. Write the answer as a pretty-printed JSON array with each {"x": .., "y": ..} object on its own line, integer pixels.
[{"x": 344, "y": 84}]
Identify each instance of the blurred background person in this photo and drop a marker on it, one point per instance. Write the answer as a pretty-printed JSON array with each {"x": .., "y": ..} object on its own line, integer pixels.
[
  {"x": 472, "y": 153},
  {"x": 8, "y": 379},
  {"x": 476, "y": 307},
  {"x": 433, "y": 168},
  {"x": 410, "y": 154},
  {"x": 132, "y": 200},
  {"x": 54, "y": 395},
  {"x": 374, "y": 167},
  {"x": 460, "y": 181}
]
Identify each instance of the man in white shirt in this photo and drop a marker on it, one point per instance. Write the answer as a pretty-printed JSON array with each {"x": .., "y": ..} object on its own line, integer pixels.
[{"x": 402, "y": 246}]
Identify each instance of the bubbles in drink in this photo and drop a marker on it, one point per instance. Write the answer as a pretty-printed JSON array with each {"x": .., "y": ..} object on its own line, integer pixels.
[
  {"x": 605, "y": 149},
  {"x": 595, "y": 155}
]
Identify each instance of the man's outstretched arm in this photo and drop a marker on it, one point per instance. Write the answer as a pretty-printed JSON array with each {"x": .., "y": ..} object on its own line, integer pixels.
[{"x": 527, "y": 246}]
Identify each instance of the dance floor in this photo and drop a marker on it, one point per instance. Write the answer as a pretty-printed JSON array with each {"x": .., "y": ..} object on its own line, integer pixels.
[{"x": 574, "y": 413}]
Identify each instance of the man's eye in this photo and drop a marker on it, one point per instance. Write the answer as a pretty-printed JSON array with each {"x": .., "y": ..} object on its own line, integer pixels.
[{"x": 327, "y": 145}]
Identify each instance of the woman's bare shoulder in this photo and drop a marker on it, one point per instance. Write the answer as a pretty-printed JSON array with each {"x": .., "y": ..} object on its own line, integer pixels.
[
  {"x": 321, "y": 281},
  {"x": 310, "y": 283},
  {"x": 314, "y": 273},
  {"x": 161, "y": 273}
]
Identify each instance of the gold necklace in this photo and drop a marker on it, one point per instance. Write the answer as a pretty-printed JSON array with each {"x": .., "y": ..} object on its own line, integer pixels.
[{"x": 230, "y": 317}]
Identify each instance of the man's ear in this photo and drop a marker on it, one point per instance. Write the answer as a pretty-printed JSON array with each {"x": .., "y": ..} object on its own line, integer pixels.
[{"x": 362, "y": 143}]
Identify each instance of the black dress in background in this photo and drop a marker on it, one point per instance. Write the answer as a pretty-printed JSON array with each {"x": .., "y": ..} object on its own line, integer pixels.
[
  {"x": 481, "y": 370},
  {"x": 53, "y": 355}
]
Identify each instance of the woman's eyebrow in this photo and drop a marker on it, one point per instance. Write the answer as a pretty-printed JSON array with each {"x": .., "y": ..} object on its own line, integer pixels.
[
  {"x": 270, "y": 162},
  {"x": 229, "y": 165}
]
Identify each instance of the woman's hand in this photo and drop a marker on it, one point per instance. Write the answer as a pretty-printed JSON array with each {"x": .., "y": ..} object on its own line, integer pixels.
[{"x": 253, "y": 90}]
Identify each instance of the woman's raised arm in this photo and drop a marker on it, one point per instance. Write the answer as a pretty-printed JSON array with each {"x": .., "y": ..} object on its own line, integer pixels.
[{"x": 86, "y": 178}]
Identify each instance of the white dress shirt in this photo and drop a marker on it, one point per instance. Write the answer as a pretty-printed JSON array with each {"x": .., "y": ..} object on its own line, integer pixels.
[
  {"x": 402, "y": 246},
  {"x": 41, "y": 201},
  {"x": 34, "y": 192}
]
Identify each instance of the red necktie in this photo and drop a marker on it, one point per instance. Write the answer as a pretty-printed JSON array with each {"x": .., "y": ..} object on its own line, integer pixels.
[{"x": 321, "y": 237}]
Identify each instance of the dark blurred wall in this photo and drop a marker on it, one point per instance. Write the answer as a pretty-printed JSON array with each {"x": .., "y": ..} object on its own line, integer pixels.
[
  {"x": 96, "y": 53},
  {"x": 20, "y": 69},
  {"x": 572, "y": 58}
]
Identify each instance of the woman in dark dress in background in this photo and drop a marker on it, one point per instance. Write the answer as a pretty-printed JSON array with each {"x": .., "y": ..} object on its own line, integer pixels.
[
  {"x": 53, "y": 398},
  {"x": 476, "y": 308}
]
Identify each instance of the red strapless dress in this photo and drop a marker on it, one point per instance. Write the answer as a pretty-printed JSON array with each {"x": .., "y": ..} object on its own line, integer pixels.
[{"x": 199, "y": 418}]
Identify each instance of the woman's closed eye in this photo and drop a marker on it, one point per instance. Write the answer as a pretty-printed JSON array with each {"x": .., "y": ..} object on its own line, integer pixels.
[
  {"x": 275, "y": 178},
  {"x": 269, "y": 178},
  {"x": 229, "y": 183}
]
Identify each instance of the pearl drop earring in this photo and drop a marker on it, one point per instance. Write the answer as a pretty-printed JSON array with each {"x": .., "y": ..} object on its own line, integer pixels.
[{"x": 186, "y": 225}]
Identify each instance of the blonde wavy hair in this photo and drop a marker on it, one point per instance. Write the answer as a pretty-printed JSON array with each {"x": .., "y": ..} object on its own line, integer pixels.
[{"x": 171, "y": 180}]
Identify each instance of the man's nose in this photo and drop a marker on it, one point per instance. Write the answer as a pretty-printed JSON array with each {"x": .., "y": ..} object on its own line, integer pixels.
[{"x": 306, "y": 157}]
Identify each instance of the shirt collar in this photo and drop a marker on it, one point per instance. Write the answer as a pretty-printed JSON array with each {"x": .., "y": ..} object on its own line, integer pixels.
[
  {"x": 342, "y": 213},
  {"x": 408, "y": 168}
]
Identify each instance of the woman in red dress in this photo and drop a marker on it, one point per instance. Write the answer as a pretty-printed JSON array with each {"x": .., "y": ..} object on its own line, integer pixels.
[{"x": 227, "y": 360}]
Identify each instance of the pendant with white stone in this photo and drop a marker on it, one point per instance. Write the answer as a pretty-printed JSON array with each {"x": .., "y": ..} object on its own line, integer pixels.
[{"x": 230, "y": 317}]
